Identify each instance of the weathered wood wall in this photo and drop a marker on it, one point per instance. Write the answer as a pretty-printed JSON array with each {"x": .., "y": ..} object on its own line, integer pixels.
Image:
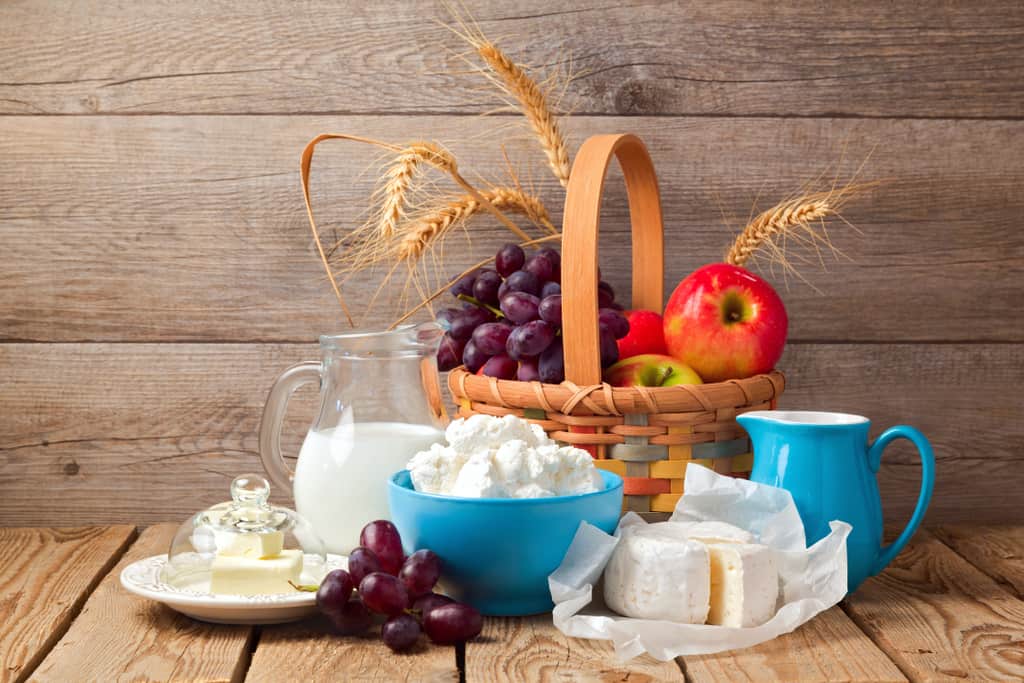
[{"x": 156, "y": 269}]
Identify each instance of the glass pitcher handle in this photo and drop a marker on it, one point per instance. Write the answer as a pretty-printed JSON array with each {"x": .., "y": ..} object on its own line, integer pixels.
[{"x": 273, "y": 418}]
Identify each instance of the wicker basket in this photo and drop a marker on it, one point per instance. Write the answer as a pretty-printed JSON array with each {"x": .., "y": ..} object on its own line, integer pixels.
[{"x": 645, "y": 434}]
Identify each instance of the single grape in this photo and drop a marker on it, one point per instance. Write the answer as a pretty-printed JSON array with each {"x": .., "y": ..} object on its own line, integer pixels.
[
  {"x": 362, "y": 561},
  {"x": 527, "y": 371},
  {"x": 609, "y": 349},
  {"x": 605, "y": 295},
  {"x": 334, "y": 592},
  {"x": 551, "y": 364},
  {"x": 551, "y": 309},
  {"x": 509, "y": 259},
  {"x": 472, "y": 357},
  {"x": 540, "y": 266},
  {"x": 552, "y": 255},
  {"x": 613, "y": 321},
  {"x": 550, "y": 289},
  {"x": 501, "y": 367},
  {"x": 519, "y": 307},
  {"x": 485, "y": 289},
  {"x": 449, "y": 353},
  {"x": 382, "y": 538},
  {"x": 490, "y": 337},
  {"x": 426, "y": 603},
  {"x": 464, "y": 285},
  {"x": 400, "y": 632},
  {"x": 452, "y": 623},
  {"x": 446, "y": 316},
  {"x": 383, "y": 593},
  {"x": 420, "y": 572},
  {"x": 468, "y": 320},
  {"x": 523, "y": 281},
  {"x": 352, "y": 619},
  {"x": 530, "y": 340}
]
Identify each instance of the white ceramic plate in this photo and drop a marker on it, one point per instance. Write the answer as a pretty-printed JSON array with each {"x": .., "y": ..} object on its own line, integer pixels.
[{"x": 145, "y": 578}]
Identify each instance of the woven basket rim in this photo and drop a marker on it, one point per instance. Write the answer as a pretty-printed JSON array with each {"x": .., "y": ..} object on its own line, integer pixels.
[{"x": 603, "y": 399}]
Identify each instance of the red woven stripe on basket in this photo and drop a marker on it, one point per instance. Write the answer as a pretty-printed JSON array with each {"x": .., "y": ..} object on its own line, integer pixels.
[
  {"x": 645, "y": 486},
  {"x": 587, "y": 447}
]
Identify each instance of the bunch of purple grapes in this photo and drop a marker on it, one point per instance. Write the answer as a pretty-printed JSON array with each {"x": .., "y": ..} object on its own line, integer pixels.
[
  {"x": 386, "y": 582},
  {"x": 510, "y": 323}
]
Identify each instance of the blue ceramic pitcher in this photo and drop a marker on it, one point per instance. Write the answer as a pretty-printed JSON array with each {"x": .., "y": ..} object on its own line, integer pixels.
[{"x": 825, "y": 462}]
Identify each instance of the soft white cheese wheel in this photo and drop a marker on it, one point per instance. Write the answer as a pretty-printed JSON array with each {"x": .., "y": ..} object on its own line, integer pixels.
[
  {"x": 713, "y": 532},
  {"x": 744, "y": 584},
  {"x": 655, "y": 572}
]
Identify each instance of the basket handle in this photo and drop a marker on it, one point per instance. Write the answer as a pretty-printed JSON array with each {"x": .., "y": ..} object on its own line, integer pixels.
[{"x": 579, "y": 245}]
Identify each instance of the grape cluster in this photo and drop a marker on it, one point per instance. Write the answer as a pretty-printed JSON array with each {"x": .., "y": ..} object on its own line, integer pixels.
[
  {"x": 400, "y": 588},
  {"x": 510, "y": 323}
]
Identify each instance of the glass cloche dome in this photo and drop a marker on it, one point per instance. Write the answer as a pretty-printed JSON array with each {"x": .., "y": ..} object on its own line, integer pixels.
[{"x": 245, "y": 546}]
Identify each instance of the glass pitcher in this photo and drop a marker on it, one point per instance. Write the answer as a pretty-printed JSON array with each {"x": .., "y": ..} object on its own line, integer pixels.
[{"x": 380, "y": 403}]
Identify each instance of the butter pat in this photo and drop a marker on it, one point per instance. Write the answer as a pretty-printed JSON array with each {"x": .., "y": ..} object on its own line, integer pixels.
[
  {"x": 744, "y": 584},
  {"x": 656, "y": 572},
  {"x": 256, "y": 546},
  {"x": 241, "y": 575}
]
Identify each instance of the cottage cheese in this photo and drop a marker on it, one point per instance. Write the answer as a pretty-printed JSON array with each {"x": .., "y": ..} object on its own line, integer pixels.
[{"x": 507, "y": 457}]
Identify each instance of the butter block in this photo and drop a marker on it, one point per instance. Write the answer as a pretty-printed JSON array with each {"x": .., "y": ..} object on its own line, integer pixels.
[
  {"x": 655, "y": 572},
  {"x": 256, "y": 546},
  {"x": 744, "y": 584},
  {"x": 240, "y": 575}
]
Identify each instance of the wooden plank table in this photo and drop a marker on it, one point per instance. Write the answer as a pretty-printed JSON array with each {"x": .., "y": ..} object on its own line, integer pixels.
[{"x": 950, "y": 608}]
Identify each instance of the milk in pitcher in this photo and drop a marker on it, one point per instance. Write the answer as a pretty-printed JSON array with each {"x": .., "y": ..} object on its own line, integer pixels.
[{"x": 342, "y": 473}]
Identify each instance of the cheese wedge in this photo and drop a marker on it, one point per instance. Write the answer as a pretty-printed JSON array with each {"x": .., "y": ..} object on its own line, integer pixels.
[
  {"x": 744, "y": 584},
  {"x": 238, "y": 575},
  {"x": 655, "y": 572}
]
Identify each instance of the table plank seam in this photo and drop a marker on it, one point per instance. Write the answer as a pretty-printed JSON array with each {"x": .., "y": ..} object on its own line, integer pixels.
[
  {"x": 1000, "y": 580},
  {"x": 75, "y": 608}
]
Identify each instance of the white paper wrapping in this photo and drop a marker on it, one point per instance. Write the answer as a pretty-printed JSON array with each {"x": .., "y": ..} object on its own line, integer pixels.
[{"x": 813, "y": 579}]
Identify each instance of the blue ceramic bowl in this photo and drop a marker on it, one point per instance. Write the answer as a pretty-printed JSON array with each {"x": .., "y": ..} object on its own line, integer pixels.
[{"x": 497, "y": 552}]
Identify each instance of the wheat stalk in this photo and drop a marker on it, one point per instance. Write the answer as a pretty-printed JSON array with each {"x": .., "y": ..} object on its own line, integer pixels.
[
  {"x": 434, "y": 223},
  {"x": 801, "y": 219},
  {"x": 530, "y": 98}
]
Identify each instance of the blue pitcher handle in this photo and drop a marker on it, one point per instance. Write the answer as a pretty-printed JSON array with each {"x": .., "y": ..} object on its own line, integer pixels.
[{"x": 924, "y": 449}]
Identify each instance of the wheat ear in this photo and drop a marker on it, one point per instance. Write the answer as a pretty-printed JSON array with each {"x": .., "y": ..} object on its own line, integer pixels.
[
  {"x": 434, "y": 223},
  {"x": 398, "y": 181}
]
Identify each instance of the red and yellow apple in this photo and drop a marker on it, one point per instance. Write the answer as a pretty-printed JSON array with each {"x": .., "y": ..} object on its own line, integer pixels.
[
  {"x": 725, "y": 323},
  {"x": 650, "y": 370},
  {"x": 646, "y": 334}
]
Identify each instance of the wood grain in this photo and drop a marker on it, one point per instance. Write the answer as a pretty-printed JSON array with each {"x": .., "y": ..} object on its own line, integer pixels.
[
  {"x": 45, "y": 577},
  {"x": 830, "y": 647},
  {"x": 145, "y": 432},
  {"x": 997, "y": 550},
  {"x": 122, "y": 637},
  {"x": 780, "y": 58},
  {"x": 308, "y": 651},
  {"x": 532, "y": 649},
  {"x": 941, "y": 619},
  {"x": 162, "y": 228}
]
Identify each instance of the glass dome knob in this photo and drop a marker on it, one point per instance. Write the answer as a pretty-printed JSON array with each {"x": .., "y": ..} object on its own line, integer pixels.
[{"x": 250, "y": 490}]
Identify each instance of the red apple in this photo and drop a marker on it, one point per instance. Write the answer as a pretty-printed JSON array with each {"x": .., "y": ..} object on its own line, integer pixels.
[
  {"x": 725, "y": 323},
  {"x": 646, "y": 334},
  {"x": 650, "y": 370}
]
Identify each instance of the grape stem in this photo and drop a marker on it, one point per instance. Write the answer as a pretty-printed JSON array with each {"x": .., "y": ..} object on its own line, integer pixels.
[
  {"x": 305, "y": 588},
  {"x": 476, "y": 302}
]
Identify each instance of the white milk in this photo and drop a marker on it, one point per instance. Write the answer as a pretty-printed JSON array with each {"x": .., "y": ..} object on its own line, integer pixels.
[{"x": 341, "y": 476}]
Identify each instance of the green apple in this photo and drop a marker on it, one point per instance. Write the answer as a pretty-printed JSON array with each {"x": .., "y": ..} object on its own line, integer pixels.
[{"x": 650, "y": 370}]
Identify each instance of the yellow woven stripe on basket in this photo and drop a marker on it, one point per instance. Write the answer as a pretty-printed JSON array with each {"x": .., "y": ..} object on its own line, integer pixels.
[
  {"x": 681, "y": 453},
  {"x": 612, "y": 465},
  {"x": 743, "y": 463},
  {"x": 670, "y": 469},
  {"x": 665, "y": 502}
]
